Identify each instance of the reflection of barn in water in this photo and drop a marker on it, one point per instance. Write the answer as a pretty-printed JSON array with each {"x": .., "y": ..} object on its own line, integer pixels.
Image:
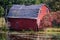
[{"x": 21, "y": 17}]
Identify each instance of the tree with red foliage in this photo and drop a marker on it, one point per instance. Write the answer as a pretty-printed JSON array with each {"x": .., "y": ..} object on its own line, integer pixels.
[{"x": 51, "y": 20}]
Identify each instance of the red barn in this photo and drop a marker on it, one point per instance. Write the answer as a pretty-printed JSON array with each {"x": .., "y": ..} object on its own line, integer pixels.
[{"x": 22, "y": 17}]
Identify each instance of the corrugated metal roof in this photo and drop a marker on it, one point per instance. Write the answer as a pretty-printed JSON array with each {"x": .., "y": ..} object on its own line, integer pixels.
[{"x": 22, "y": 11}]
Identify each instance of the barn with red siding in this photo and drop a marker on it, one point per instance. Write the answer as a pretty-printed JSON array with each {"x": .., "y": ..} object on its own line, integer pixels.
[{"x": 22, "y": 17}]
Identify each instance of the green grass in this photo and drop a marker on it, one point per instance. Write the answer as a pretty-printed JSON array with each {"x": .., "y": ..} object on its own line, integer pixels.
[
  {"x": 3, "y": 33},
  {"x": 2, "y": 36}
]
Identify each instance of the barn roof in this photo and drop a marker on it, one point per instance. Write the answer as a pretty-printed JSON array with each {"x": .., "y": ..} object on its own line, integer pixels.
[{"x": 23, "y": 11}]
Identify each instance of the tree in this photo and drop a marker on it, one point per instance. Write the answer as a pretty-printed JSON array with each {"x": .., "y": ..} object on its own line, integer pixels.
[
  {"x": 53, "y": 4},
  {"x": 51, "y": 20},
  {"x": 39, "y": 1},
  {"x": 29, "y": 2},
  {"x": 1, "y": 11}
]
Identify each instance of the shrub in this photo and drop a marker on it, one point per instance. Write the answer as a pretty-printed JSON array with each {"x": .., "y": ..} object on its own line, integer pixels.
[{"x": 50, "y": 20}]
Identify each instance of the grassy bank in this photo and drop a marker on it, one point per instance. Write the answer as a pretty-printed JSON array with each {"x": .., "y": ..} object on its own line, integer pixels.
[{"x": 2, "y": 22}]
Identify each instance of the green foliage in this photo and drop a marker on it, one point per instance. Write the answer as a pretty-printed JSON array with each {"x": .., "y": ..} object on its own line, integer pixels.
[
  {"x": 38, "y": 1},
  {"x": 29, "y": 2},
  {"x": 2, "y": 36},
  {"x": 53, "y": 4},
  {"x": 1, "y": 11}
]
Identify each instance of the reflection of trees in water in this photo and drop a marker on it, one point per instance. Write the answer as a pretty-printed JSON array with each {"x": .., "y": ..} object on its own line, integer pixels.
[{"x": 55, "y": 37}]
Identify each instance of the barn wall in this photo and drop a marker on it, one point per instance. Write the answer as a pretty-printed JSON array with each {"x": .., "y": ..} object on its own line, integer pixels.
[{"x": 20, "y": 24}]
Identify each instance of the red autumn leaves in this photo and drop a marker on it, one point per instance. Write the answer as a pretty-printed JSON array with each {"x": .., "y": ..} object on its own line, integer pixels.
[{"x": 50, "y": 20}]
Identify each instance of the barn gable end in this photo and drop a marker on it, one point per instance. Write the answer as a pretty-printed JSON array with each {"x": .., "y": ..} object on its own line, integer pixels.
[{"x": 42, "y": 12}]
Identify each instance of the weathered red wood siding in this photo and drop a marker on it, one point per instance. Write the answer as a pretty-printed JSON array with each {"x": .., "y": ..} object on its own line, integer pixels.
[{"x": 23, "y": 23}]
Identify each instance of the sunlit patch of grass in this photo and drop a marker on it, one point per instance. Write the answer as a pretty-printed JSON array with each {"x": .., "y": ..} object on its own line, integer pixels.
[{"x": 2, "y": 21}]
